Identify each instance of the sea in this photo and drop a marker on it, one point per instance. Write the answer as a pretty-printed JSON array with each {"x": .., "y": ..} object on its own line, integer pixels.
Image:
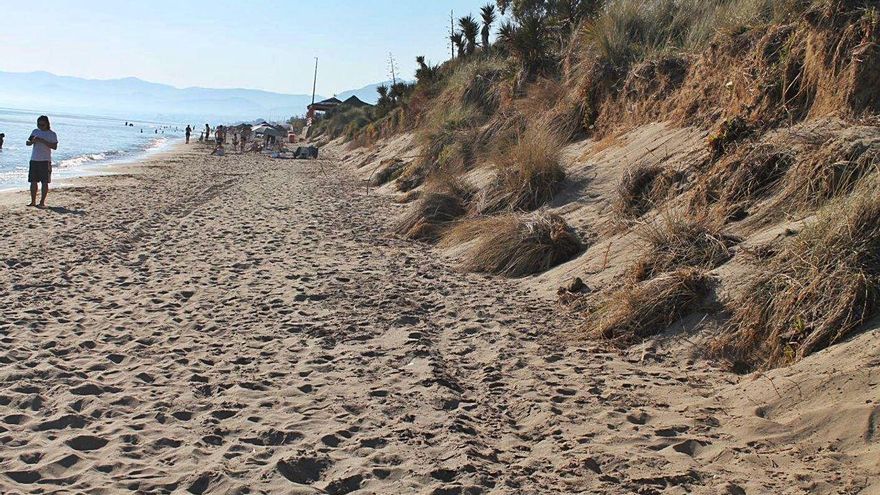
[{"x": 87, "y": 145}]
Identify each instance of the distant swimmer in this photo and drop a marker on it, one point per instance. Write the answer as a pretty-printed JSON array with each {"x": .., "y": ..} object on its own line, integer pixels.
[
  {"x": 2, "y": 137},
  {"x": 43, "y": 140},
  {"x": 188, "y": 132}
]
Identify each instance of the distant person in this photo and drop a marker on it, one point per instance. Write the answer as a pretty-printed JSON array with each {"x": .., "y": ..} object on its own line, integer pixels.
[
  {"x": 2, "y": 137},
  {"x": 218, "y": 142},
  {"x": 207, "y": 132},
  {"x": 188, "y": 132},
  {"x": 234, "y": 140},
  {"x": 43, "y": 140}
]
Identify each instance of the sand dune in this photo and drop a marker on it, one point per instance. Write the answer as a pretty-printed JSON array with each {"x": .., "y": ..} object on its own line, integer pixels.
[{"x": 243, "y": 325}]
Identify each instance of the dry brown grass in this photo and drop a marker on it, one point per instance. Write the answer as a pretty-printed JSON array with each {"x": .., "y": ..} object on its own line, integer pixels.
[
  {"x": 815, "y": 292},
  {"x": 679, "y": 242},
  {"x": 388, "y": 171},
  {"x": 641, "y": 188},
  {"x": 638, "y": 311},
  {"x": 832, "y": 170},
  {"x": 529, "y": 174},
  {"x": 444, "y": 200},
  {"x": 732, "y": 184},
  {"x": 514, "y": 245}
]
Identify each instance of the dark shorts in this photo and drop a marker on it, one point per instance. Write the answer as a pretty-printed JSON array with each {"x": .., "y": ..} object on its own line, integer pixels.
[{"x": 40, "y": 172}]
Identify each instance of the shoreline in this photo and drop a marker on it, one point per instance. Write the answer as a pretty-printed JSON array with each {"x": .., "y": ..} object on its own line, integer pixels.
[
  {"x": 105, "y": 167},
  {"x": 103, "y": 170}
]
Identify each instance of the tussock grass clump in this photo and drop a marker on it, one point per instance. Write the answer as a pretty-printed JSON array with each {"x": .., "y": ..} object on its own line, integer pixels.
[
  {"x": 831, "y": 171},
  {"x": 815, "y": 292},
  {"x": 388, "y": 171},
  {"x": 729, "y": 132},
  {"x": 736, "y": 181},
  {"x": 443, "y": 201},
  {"x": 641, "y": 188},
  {"x": 636, "y": 312},
  {"x": 514, "y": 245},
  {"x": 529, "y": 174},
  {"x": 682, "y": 242}
]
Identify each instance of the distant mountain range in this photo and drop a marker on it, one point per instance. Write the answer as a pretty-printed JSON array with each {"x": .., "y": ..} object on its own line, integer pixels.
[{"x": 134, "y": 99}]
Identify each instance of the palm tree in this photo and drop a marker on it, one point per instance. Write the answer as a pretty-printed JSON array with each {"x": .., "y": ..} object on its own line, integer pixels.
[
  {"x": 470, "y": 30},
  {"x": 458, "y": 41},
  {"x": 488, "y": 15}
]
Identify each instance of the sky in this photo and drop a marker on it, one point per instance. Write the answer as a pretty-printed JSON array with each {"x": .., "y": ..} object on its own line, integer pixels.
[{"x": 264, "y": 44}]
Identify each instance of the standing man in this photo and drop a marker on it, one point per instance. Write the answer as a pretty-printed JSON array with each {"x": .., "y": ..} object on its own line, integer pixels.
[
  {"x": 43, "y": 141},
  {"x": 207, "y": 132},
  {"x": 188, "y": 132}
]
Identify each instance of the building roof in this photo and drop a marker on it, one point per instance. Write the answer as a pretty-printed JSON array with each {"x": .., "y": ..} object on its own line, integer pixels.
[{"x": 354, "y": 101}]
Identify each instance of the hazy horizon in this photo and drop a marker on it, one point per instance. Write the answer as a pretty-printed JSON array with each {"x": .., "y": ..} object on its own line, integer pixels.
[{"x": 270, "y": 47}]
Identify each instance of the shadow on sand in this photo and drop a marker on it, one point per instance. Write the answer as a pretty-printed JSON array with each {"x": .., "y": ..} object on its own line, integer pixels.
[{"x": 65, "y": 211}]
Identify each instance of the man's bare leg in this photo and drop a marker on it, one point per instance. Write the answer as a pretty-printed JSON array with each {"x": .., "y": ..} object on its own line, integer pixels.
[
  {"x": 33, "y": 194},
  {"x": 43, "y": 192}
]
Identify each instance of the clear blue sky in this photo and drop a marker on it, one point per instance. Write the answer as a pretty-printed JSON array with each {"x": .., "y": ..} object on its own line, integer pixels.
[{"x": 261, "y": 44}]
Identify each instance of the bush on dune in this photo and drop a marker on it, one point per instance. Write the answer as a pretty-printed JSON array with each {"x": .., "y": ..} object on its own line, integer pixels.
[{"x": 514, "y": 245}]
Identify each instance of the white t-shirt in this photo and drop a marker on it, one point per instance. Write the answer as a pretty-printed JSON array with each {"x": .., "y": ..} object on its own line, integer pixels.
[{"x": 41, "y": 152}]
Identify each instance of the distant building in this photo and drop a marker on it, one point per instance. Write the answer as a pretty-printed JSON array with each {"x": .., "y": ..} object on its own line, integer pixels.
[
  {"x": 323, "y": 106},
  {"x": 331, "y": 104}
]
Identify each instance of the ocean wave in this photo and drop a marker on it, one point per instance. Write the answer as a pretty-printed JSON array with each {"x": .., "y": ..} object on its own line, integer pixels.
[{"x": 89, "y": 158}]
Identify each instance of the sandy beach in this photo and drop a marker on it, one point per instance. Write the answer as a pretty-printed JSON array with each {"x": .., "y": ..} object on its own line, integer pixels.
[{"x": 239, "y": 324}]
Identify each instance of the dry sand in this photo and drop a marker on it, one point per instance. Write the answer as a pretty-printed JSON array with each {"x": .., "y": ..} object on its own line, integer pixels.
[{"x": 244, "y": 325}]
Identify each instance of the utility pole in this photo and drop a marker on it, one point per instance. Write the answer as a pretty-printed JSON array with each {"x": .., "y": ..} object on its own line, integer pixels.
[
  {"x": 451, "y": 32},
  {"x": 315, "y": 82}
]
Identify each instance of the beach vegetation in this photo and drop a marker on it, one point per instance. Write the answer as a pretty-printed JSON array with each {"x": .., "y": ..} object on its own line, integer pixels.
[{"x": 514, "y": 245}]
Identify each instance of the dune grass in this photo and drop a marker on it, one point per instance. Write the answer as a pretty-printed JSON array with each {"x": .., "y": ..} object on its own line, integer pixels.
[
  {"x": 514, "y": 245},
  {"x": 733, "y": 183},
  {"x": 680, "y": 242},
  {"x": 641, "y": 188},
  {"x": 815, "y": 292},
  {"x": 444, "y": 200},
  {"x": 528, "y": 173},
  {"x": 638, "y": 311}
]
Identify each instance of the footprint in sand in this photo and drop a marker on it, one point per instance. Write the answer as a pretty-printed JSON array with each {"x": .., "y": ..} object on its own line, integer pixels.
[{"x": 86, "y": 443}]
